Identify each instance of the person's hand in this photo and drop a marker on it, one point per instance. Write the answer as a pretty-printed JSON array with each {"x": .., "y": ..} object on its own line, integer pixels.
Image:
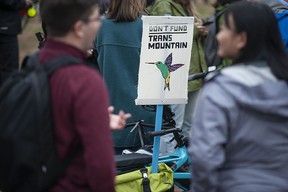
[
  {"x": 203, "y": 30},
  {"x": 118, "y": 121}
]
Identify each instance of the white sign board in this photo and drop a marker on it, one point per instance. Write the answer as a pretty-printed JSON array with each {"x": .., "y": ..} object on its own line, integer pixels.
[{"x": 165, "y": 60}]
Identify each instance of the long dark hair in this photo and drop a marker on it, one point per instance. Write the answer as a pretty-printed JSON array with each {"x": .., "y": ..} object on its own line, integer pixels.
[{"x": 263, "y": 36}]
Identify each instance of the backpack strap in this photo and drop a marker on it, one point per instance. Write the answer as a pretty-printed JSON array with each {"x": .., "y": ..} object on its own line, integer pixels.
[
  {"x": 145, "y": 181},
  {"x": 32, "y": 62},
  {"x": 212, "y": 19},
  {"x": 60, "y": 61},
  {"x": 28, "y": 62}
]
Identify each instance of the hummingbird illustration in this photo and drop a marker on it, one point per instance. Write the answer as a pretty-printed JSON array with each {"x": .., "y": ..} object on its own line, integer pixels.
[{"x": 166, "y": 68}]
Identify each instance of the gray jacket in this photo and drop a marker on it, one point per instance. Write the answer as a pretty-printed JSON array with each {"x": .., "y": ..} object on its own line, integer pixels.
[{"x": 239, "y": 138}]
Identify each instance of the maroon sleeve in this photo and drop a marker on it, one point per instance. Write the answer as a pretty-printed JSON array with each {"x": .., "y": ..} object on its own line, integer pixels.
[{"x": 91, "y": 120}]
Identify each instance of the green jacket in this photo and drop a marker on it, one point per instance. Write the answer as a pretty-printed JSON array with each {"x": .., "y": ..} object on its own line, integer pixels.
[{"x": 197, "y": 63}]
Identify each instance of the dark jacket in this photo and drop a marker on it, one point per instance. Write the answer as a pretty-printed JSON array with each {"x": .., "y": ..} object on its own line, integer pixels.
[
  {"x": 10, "y": 19},
  {"x": 240, "y": 133},
  {"x": 214, "y": 22}
]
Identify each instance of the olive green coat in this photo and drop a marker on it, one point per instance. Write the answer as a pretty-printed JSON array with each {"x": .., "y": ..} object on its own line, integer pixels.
[{"x": 197, "y": 63}]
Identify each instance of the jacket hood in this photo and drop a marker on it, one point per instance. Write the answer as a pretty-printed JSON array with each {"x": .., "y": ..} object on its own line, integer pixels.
[{"x": 257, "y": 89}]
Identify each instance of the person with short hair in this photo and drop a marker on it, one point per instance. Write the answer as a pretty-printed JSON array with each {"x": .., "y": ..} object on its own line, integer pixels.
[
  {"x": 240, "y": 133},
  {"x": 79, "y": 97}
]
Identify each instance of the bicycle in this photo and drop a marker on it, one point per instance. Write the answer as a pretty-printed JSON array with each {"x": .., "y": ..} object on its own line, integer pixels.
[{"x": 176, "y": 161}]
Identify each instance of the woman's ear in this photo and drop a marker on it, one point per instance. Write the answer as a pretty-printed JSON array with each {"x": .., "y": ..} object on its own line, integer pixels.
[{"x": 242, "y": 40}]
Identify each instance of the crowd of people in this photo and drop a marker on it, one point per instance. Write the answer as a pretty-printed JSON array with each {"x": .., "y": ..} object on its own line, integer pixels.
[{"x": 235, "y": 120}]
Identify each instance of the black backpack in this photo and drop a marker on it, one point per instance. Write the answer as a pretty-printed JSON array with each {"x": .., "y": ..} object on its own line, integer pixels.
[
  {"x": 28, "y": 160},
  {"x": 211, "y": 45}
]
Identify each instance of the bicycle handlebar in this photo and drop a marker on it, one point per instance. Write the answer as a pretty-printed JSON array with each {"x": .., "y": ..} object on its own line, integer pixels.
[
  {"x": 163, "y": 132},
  {"x": 141, "y": 123},
  {"x": 201, "y": 75},
  {"x": 197, "y": 76}
]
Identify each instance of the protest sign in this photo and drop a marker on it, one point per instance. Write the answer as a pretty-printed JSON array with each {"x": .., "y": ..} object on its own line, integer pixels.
[{"x": 165, "y": 60}]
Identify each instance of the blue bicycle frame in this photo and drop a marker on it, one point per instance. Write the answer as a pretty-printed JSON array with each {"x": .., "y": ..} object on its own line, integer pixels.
[{"x": 179, "y": 157}]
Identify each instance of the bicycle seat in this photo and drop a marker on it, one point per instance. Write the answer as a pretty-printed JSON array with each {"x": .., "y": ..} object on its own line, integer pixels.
[{"x": 133, "y": 159}]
